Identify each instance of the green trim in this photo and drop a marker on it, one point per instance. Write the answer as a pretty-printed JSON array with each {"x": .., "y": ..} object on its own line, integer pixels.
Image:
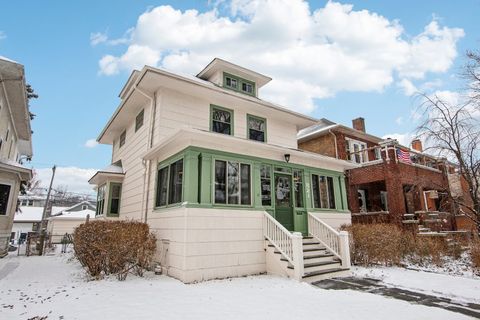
[
  {"x": 232, "y": 118},
  {"x": 240, "y": 81},
  {"x": 265, "y": 125},
  {"x": 167, "y": 163},
  {"x": 109, "y": 207}
]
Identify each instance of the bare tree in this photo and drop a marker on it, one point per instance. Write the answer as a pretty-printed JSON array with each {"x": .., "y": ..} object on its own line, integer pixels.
[{"x": 453, "y": 130}]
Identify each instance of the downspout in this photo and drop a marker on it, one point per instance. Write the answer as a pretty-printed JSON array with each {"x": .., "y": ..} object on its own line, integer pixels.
[{"x": 335, "y": 141}]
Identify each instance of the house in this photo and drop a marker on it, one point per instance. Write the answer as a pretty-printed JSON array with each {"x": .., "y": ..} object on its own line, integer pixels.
[
  {"x": 215, "y": 170},
  {"x": 393, "y": 183},
  {"x": 68, "y": 219},
  {"x": 15, "y": 143}
]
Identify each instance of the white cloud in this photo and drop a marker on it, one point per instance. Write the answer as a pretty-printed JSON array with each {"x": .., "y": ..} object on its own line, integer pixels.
[
  {"x": 403, "y": 138},
  {"x": 102, "y": 37},
  {"x": 399, "y": 120},
  {"x": 408, "y": 87},
  {"x": 312, "y": 54},
  {"x": 76, "y": 179},
  {"x": 97, "y": 38},
  {"x": 3, "y": 35},
  {"x": 91, "y": 143}
]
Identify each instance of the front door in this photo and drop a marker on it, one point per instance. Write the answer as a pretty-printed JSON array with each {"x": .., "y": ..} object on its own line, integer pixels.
[{"x": 283, "y": 200}]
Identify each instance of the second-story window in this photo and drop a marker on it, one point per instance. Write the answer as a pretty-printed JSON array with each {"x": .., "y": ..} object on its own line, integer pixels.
[
  {"x": 356, "y": 151},
  {"x": 256, "y": 128},
  {"x": 221, "y": 120},
  {"x": 139, "y": 121},
  {"x": 123, "y": 136}
]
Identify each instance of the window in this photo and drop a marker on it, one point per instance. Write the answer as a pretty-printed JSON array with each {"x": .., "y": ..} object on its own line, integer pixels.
[
  {"x": 247, "y": 87},
  {"x": 378, "y": 153},
  {"x": 356, "y": 151},
  {"x": 84, "y": 207},
  {"x": 384, "y": 200},
  {"x": 256, "y": 128},
  {"x": 6, "y": 135},
  {"x": 115, "y": 193},
  {"x": 238, "y": 84},
  {"x": 298, "y": 188},
  {"x": 123, "y": 136},
  {"x": 24, "y": 202},
  {"x": 100, "y": 199},
  {"x": 30, "y": 203},
  {"x": 323, "y": 192},
  {"x": 266, "y": 184},
  {"x": 222, "y": 120},
  {"x": 139, "y": 121},
  {"x": 232, "y": 183},
  {"x": 231, "y": 82},
  {"x": 4, "y": 197},
  {"x": 169, "y": 184}
]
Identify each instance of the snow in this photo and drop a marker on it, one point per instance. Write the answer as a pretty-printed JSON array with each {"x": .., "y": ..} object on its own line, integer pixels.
[
  {"x": 457, "y": 288},
  {"x": 57, "y": 286},
  {"x": 33, "y": 213},
  {"x": 82, "y": 214}
]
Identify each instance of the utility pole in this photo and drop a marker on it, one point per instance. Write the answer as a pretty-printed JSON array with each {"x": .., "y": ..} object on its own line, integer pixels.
[{"x": 43, "y": 224}]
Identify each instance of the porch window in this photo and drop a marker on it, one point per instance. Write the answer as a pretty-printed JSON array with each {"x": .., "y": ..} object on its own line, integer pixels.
[
  {"x": 115, "y": 193},
  {"x": 221, "y": 120},
  {"x": 298, "y": 188},
  {"x": 100, "y": 199},
  {"x": 4, "y": 197},
  {"x": 139, "y": 120},
  {"x": 169, "y": 184},
  {"x": 256, "y": 128},
  {"x": 232, "y": 183},
  {"x": 266, "y": 184},
  {"x": 323, "y": 192},
  {"x": 123, "y": 136}
]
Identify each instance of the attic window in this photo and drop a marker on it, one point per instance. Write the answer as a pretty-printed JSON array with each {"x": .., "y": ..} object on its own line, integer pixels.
[
  {"x": 238, "y": 84},
  {"x": 230, "y": 82},
  {"x": 247, "y": 87}
]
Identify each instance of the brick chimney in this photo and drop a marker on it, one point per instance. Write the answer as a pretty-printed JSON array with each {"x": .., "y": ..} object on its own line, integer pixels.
[
  {"x": 417, "y": 145},
  {"x": 359, "y": 124}
]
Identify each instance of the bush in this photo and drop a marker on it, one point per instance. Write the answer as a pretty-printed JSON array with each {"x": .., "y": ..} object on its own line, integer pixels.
[
  {"x": 114, "y": 247},
  {"x": 475, "y": 253}
]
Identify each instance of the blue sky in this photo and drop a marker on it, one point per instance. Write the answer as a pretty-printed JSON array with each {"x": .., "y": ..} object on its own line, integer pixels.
[{"x": 53, "y": 40}]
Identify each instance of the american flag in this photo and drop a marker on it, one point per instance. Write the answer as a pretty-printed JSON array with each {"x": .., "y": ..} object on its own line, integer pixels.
[{"x": 404, "y": 156}]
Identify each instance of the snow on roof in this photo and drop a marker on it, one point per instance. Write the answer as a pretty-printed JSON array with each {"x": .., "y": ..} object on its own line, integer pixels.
[
  {"x": 113, "y": 168},
  {"x": 33, "y": 213},
  {"x": 75, "y": 215}
]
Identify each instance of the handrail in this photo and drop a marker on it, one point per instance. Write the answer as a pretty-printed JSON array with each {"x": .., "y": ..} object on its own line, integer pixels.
[
  {"x": 290, "y": 245},
  {"x": 336, "y": 242}
]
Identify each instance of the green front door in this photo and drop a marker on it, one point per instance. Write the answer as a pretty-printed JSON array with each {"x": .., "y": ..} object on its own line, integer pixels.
[{"x": 283, "y": 200}]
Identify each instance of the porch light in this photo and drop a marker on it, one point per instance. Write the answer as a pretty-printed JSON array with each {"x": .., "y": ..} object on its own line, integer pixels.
[{"x": 287, "y": 157}]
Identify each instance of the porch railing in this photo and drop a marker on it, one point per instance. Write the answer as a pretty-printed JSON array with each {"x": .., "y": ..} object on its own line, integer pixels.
[
  {"x": 336, "y": 242},
  {"x": 289, "y": 244}
]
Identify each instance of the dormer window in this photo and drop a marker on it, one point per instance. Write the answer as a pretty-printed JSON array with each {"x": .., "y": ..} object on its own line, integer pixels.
[
  {"x": 230, "y": 82},
  {"x": 247, "y": 87},
  {"x": 238, "y": 84}
]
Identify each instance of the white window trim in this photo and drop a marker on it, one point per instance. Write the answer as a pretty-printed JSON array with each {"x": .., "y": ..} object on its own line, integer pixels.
[
  {"x": 351, "y": 148},
  {"x": 10, "y": 196}
]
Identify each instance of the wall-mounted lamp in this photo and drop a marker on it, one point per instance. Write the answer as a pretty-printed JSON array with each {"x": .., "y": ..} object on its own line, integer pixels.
[{"x": 287, "y": 157}]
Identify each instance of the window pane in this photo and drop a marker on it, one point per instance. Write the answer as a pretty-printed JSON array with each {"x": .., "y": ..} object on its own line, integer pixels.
[
  {"x": 4, "y": 195},
  {"x": 123, "y": 137},
  {"x": 316, "y": 191},
  {"x": 298, "y": 185},
  {"x": 175, "y": 187},
  {"x": 256, "y": 135},
  {"x": 233, "y": 183},
  {"x": 323, "y": 192},
  {"x": 100, "y": 199},
  {"x": 221, "y": 127},
  {"x": 265, "y": 185},
  {"x": 115, "y": 200},
  {"x": 162, "y": 183},
  {"x": 221, "y": 115},
  {"x": 245, "y": 183},
  {"x": 220, "y": 182},
  {"x": 139, "y": 121},
  {"x": 331, "y": 193}
]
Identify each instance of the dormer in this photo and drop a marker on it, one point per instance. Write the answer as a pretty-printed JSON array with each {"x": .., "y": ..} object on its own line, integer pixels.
[{"x": 233, "y": 77}]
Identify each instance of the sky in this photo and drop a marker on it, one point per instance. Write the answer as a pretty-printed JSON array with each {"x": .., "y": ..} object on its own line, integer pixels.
[{"x": 338, "y": 60}]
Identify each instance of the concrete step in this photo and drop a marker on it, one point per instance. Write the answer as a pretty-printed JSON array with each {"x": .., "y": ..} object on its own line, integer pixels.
[
  {"x": 319, "y": 266},
  {"x": 424, "y": 229},
  {"x": 316, "y": 276},
  {"x": 410, "y": 221},
  {"x": 432, "y": 220}
]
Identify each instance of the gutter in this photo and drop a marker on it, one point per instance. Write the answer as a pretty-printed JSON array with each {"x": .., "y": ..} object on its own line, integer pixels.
[{"x": 335, "y": 142}]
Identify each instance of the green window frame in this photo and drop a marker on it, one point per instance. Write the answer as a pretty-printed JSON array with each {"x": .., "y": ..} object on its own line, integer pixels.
[
  {"x": 256, "y": 128},
  {"x": 139, "y": 120},
  {"x": 114, "y": 198},
  {"x": 298, "y": 188},
  {"x": 123, "y": 137},
  {"x": 266, "y": 184},
  {"x": 223, "y": 121},
  {"x": 100, "y": 199},
  {"x": 323, "y": 192},
  {"x": 239, "y": 84},
  {"x": 232, "y": 183},
  {"x": 170, "y": 182}
]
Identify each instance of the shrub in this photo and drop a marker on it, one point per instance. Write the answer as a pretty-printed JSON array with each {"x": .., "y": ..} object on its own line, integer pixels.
[
  {"x": 475, "y": 253},
  {"x": 114, "y": 247}
]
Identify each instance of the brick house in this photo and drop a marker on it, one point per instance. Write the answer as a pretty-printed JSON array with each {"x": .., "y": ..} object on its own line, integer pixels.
[{"x": 394, "y": 183}]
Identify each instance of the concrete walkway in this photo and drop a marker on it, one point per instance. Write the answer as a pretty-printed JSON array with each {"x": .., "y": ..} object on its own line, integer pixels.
[
  {"x": 8, "y": 268},
  {"x": 377, "y": 287}
]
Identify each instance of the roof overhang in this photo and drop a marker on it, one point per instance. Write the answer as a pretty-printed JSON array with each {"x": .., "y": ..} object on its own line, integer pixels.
[
  {"x": 24, "y": 174},
  {"x": 100, "y": 177},
  {"x": 327, "y": 128},
  {"x": 218, "y": 64},
  {"x": 186, "y": 137}
]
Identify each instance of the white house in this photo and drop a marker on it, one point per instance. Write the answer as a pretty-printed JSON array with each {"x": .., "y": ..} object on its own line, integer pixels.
[
  {"x": 15, "y": 143},
  {"x": 215, "y": 171}
]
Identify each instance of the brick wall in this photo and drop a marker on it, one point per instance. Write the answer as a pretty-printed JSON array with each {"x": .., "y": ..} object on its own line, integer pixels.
[{"x": 323, "y": 145}]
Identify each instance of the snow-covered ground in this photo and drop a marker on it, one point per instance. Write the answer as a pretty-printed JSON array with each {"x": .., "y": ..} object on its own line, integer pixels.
[{"x": 56, "y": 286}]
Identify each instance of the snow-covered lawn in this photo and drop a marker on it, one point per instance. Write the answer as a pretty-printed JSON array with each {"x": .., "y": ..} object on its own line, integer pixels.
[{"x": 56, "y": 287}]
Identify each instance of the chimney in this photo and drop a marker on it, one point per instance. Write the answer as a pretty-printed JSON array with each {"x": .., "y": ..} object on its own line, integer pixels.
[
  {"x": 359, "y": 124},
  {"x": 417, "y": 145}
]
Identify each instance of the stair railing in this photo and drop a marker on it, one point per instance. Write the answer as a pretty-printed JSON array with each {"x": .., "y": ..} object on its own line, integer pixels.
[
  {"x": 289, "y": 244},
  {"x": 336, "y": 242}
]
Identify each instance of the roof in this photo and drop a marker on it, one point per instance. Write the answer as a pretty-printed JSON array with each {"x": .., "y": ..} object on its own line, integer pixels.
[
  {"x": 150, "y": 79},
  {"x": 218, "y": 64},
  {"x": 67, "y": 210},
  {"x": 82, "y": 215},
  {"x": 15, "y": 167},
  {"x": 115, "y": 169},
  {"x": 33, "y": 214}
]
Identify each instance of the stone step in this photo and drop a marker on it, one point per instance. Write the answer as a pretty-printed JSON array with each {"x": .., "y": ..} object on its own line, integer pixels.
[
  {"x": 316, "y": 276},
  {"x": 432, "y": 220},
  {"x": 410, "y": 221}
]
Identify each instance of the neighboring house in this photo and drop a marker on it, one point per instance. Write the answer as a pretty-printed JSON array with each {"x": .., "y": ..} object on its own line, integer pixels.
[
  {"x": 394, "y": 183},
  {"x": 15, "y": 143},
  {"x": 67, "y": 220},
  {"x": 27, "y": 219},
  {"x": 214, "y": 170}
]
